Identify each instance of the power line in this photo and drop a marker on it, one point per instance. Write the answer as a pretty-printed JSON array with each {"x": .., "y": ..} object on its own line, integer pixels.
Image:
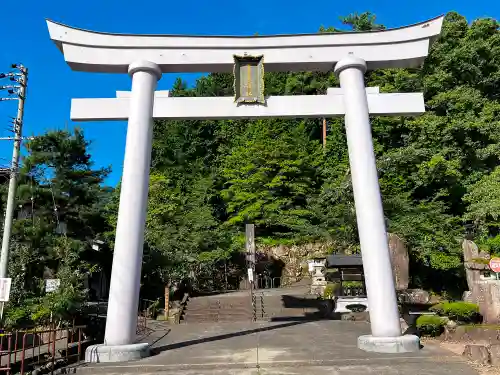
[{"x": 17, "y": 91}]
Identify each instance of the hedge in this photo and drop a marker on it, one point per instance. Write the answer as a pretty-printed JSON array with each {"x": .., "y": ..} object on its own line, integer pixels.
[
  {"x": 430, "y": 325},
  {"x": 465, "y": 312}
]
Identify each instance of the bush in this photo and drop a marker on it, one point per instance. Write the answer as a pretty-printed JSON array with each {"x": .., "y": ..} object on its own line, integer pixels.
[
  {"x": 17, "y": 317},
  {"x": 438, "y": 308},
  {"x": 352, "y": 284},
  {"x": 465, "y": 312},
  {"x": 430, "y": 325},
  {"x": 330, "y": 290}
]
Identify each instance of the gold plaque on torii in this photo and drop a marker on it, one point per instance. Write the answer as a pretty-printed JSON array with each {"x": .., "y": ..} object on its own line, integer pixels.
[{"x": 249, "y": 79}]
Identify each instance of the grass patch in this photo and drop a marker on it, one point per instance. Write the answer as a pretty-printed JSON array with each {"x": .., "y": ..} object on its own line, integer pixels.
[{"x": 478, "y": 325}]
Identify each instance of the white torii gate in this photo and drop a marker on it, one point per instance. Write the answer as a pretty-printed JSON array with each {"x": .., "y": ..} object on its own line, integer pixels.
[{"x": 146, "y": 57}]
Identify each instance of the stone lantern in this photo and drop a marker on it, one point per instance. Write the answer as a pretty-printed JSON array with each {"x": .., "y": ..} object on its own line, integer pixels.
[{"x": 317, "y": 269}]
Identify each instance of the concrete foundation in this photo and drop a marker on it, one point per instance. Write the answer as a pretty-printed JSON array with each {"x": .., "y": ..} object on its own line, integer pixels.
[
  {"x": 116, "y": 353},
  {"x": 399, "y": 344}
]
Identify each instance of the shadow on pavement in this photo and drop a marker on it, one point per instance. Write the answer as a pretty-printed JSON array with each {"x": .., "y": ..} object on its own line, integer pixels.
[{"x": 183, "y": 344}]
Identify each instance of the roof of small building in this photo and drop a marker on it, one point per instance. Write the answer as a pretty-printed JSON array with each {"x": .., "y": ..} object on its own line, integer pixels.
[{"x": 342, "y": 260}]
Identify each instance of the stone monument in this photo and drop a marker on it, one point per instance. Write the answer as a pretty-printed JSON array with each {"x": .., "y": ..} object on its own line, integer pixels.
[
  {"x": 475, "y": 263},
  {"x": 317, "y": 269},
  {"x": 400, "y": 261},
  {"x": 483, "y": 289}
]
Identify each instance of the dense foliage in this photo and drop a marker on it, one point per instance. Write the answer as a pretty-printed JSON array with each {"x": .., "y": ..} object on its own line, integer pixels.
[
  {"x": 437, "y": 171},
  {"x": 61, "y": 211}
]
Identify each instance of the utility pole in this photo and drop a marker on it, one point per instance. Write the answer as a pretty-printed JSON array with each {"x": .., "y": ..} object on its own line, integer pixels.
[{"x": 21, "y": 77}]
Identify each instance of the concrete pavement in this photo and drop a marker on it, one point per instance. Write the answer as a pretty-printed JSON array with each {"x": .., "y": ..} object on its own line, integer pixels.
[{"x": 294, "y": 347}]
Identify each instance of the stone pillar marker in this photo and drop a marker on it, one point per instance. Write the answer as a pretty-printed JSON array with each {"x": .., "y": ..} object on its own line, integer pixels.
[
  {"x": 400, "y": 262},
  {"x": 384, "y": 314},
  {"x": 127, "y": 258}
]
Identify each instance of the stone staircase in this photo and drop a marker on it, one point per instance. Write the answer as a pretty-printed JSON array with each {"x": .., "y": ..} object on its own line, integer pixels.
[
  {"x": 218, "y": 308},
  {"x": 276, "y": 307},
  {"x": 270, "y": 305}
]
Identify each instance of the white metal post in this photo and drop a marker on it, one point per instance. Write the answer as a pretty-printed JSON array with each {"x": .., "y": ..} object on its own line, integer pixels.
[
  {"x": 381, "y": 291},
  {"x": 127, "y": 259}
]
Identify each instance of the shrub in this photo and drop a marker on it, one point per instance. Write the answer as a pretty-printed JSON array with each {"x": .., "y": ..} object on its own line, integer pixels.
[
  {"x": 460, "y": 311},
  {"x": 430, "y": 325},
  {"x": 352, "y": 284},
  {"x": 17, "y": 317},
  {"x": 438, "y": 308},
  {"x": 330, "y": 290}
]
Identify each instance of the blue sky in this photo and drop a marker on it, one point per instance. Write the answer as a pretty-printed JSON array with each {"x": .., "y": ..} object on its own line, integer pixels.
[{"x": 52, "y": 84}]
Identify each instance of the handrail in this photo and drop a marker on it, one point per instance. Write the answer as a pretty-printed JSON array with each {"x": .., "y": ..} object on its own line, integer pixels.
[{"x": 183, "y": 305}]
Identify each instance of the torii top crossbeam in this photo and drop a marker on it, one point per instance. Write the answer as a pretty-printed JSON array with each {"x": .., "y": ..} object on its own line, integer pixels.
[{"x": 93, "y": 51}]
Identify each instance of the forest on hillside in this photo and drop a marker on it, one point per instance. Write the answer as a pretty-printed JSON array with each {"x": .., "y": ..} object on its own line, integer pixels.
[
  {"x": 438, "y": 172},
  {"x": 439, "y": 175}
]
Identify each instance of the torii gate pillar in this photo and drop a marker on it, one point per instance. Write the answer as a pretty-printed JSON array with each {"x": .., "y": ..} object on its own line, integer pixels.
[
  {"x": 384, "y": 315},
  {"x": 127, "y": 258}
]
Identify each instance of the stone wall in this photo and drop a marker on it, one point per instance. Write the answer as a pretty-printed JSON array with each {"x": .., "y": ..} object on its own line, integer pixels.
[{"x": 295, "y": 257}]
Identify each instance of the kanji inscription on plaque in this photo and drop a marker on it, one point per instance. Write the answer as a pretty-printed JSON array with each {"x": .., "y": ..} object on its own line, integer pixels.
[{"x": 249, "y": 79}]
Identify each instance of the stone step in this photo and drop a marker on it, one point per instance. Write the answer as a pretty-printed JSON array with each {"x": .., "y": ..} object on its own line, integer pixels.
[
  {"x": 215, "y": 310},
  {"x": 240, "y": 308},
  {"x": 214, "y": 318},
  {"x": 232, "y": 318},
  {"x": 218, "y": 306}
]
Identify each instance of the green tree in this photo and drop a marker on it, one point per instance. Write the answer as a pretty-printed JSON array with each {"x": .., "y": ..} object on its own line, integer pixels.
[
  {"x": 269, "y": 177},
  {"x": 61, "y": 212}
]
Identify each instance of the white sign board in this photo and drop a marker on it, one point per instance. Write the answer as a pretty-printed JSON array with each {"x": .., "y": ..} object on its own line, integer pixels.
[
  {"x": 51, "y": 285},
  {"x": 5, "y": 289},
  {"x": 250, "y": 275}
]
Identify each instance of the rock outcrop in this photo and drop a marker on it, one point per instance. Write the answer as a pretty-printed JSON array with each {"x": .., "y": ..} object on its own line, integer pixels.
[{"x": 294, "y": 258}]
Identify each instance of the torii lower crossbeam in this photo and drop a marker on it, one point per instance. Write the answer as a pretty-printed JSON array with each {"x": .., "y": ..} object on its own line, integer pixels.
[{"x": 218, "y": 108}]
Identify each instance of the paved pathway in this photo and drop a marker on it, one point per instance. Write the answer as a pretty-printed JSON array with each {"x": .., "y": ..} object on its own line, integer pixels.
[{"x": 318, "y": 347}]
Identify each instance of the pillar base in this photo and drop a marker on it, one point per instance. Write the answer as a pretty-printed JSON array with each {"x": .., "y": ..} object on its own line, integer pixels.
[
  {"x": 116, "y": 353},
  {"x": 399, "y": 344}
]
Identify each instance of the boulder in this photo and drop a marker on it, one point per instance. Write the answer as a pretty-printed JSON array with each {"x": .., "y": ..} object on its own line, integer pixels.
[
  {"x": 470, "y": 250},
  {"x": 414, "y": 296}
]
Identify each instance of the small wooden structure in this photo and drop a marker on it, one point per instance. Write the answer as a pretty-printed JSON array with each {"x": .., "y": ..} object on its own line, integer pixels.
[{"x": 350, "y": 268}]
